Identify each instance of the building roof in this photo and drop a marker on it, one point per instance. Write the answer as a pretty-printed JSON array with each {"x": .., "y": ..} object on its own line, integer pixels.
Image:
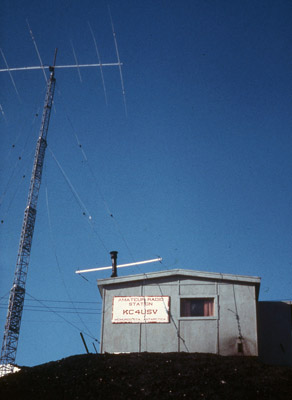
[{"x": 187, "y": 273}]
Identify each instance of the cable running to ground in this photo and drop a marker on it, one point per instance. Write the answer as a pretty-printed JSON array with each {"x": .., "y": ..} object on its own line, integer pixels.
[
  {"x": 79, "y": 201},
  {"x": 58, "y": 264},
  {"x": 95, "y": 180},
  {"x": 6, "y": 297},
  {"x": 59, "y": 315}
]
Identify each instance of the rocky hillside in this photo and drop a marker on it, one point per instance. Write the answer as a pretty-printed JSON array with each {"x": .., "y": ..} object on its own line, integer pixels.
[{"x": 149, "y": 376}]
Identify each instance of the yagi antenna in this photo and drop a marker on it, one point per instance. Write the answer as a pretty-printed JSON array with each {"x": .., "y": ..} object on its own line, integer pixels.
[
  {"x": 77, "y": 65},
  {"x": 114, "y": 265}
]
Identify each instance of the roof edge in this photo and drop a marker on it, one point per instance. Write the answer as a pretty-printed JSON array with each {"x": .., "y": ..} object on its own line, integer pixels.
[{"x": 175, "y": 272}]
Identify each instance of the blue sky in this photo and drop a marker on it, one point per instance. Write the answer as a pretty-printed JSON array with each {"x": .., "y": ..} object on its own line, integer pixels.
[{"x": 198, "y": 172}]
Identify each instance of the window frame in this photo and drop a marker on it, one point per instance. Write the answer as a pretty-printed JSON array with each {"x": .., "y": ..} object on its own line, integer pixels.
[{"x": 188, "y": 297}]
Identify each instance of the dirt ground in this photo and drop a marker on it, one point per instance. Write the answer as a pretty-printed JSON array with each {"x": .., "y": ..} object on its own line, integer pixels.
[{"x": 150, "y": 375}]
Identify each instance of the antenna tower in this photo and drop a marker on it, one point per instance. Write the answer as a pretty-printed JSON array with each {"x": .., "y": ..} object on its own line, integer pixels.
[{"x": 17, "y": 292}]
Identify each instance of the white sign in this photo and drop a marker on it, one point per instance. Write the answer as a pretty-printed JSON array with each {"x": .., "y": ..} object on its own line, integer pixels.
[{"x": 140, "y": 309}]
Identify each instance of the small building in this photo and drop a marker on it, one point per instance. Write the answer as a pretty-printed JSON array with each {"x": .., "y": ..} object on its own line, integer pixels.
[{"x": 180, "y": 311}]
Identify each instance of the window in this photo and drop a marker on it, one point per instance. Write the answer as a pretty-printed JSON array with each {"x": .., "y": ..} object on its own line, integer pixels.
[{"x": 197, "y": 307}]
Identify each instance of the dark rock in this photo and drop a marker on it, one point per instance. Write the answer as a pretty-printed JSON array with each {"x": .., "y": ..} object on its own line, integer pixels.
[{"x": 149, "y": 375}]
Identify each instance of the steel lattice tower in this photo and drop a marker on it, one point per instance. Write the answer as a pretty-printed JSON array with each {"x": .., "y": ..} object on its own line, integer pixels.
[{"x": 17, "y": 292}]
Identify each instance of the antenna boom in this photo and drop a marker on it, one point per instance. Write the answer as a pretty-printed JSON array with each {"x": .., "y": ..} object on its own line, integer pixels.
[
  {"x": 62, "y": 66},
  {"x": 118, "y": 266}
]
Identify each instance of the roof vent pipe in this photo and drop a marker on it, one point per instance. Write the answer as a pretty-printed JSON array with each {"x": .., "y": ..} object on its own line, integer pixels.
[{"x": 114, "y": 256}]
